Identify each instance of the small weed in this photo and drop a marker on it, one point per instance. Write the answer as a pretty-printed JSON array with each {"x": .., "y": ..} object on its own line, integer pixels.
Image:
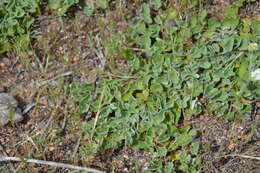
[
  {"x": 92, "y": 7},
  {"x": 60, "y": 7},
  {"x": 15, "y": 22}
]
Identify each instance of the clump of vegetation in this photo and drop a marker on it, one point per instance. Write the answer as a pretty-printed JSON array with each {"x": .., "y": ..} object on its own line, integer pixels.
[
  {"x": 15, "y": 22},
  {"x": 92, "y": 7},
  {"x": 60, "y": 7},
  {"x": 16, "y": 19},
  {"x": 178, "y": 68}
]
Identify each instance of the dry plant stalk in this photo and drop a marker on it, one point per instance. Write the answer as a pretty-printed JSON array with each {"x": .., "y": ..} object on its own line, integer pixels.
[{"x": 49, "y": 163}]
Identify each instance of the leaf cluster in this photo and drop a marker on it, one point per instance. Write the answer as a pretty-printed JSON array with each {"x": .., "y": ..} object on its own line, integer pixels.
[
  {"x": 15, "y": 21},
  {"x": 173, "y": 78},
  {"x": 93, "y": 7},
  {"x": 61, "y": 6}
]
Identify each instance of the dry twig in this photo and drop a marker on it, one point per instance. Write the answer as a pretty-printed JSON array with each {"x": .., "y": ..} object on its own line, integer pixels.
[
  {"x": 98, "y": 112},
  {"x": 56, "y": 77},
  {"x": 242, "y": 156},
  {"x": 76, "y": 147},
  {"x": 28, "y": 108},
  {"x": 49, "y": 163},
  {"x": 246, "y": 157}
]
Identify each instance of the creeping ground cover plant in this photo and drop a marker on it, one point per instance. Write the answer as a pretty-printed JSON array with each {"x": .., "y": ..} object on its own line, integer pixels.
[
  {"x": 15, "y": 22},
  {"x": 178, "y": 68},
  {"x": 17, "y": 17}
]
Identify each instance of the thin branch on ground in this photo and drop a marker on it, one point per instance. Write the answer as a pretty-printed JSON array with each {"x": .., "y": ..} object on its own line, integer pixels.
[
  {"x": 56, "y": 77},
  {"x": 49, "y": 163},
  {"x": 228, "y": 53},
  {"x": 239, "y": 55},
  {"x": 64, "y": 123},
  {"x": 76, "y": 147},
  {"x": 39, "y": 61},
  {"x": 242, "y": 156},
  {"x": 28, "y": 108},
  {"x": 225, "y": 54},
  {"x": 98, "y": 112},
  {"x": 134, "y": 48}
]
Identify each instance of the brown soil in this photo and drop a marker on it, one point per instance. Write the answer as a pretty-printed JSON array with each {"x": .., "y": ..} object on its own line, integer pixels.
[{"x": 225, "y": 143}]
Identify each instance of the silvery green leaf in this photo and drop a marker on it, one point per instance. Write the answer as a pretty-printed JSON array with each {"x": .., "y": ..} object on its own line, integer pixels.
[{"x": 145, "y": 13}]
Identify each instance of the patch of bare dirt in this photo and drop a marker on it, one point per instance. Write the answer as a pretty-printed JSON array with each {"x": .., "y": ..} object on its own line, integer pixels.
[
  {"x": 250, "y": 10},
  {"x": 124, "y": 159},
  {"x": 228, "y": 146}
]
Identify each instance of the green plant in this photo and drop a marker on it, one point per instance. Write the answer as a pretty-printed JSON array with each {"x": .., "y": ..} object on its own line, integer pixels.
[
  {"x": 92, "y": 7},
  {"x": 15, "y": 22},
  {"x": 61, "y": 6},
  {"x": 178, "y": 68}
]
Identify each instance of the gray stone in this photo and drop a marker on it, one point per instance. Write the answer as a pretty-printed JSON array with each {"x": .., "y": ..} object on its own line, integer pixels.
[{"x": 8, "y": 104}]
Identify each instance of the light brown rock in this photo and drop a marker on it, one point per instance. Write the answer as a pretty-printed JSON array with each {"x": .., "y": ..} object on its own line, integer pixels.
[{"x": 9, "y": 110}]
